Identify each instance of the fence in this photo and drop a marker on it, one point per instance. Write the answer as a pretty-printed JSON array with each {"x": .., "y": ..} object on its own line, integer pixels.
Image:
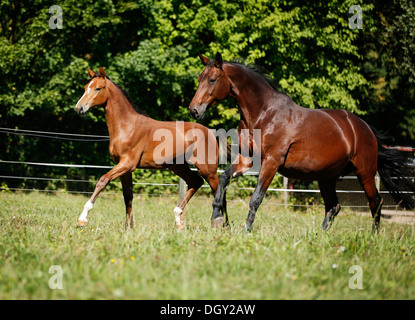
[{"x": 291, "y": 193}]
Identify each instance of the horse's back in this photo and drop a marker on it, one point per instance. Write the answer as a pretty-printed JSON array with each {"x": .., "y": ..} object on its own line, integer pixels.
[
  {"x": 364, "y": 140},
  {"x": 347, "y": 129},
  {"x": 324, "y": 144},
  {"x": 365, "y": 152}
]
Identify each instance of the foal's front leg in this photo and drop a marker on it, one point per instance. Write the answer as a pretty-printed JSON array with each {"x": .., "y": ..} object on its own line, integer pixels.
[{"x": 120, "y": 169}]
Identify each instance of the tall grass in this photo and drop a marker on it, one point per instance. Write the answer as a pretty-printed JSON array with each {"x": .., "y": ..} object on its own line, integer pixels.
[{"x": 287, "y": 256}]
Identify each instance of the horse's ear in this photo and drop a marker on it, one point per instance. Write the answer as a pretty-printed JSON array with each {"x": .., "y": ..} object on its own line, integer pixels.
[
  {"x": 203, "y": 59},
  {"x": 101, "y": 72},
  {"x": 218, "y": 61},
  {"x": 91, "y": 73}
]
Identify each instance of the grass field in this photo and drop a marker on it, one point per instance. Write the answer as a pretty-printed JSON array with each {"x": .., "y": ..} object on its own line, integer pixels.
[{"x": 287, "y": 256}]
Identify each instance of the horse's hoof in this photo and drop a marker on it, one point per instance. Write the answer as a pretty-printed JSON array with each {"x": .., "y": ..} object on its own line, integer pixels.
[
  {"x": 218, "y": 222},
  {"x": 81, "y": 223},
  {"x": 180, "y": 226},
  {"x": 248, "y": 228},
  {"x": 326, "y": 224},
  {"x": 328, "y": 221}
]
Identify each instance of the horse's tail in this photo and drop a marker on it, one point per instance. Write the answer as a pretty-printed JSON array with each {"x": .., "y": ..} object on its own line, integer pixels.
[{"x": 397, "y": 171}]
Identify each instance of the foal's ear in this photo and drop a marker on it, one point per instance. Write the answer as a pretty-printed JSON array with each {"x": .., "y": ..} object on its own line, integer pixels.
[
  {"x": 218, "y": 61},
  {"x": 91, "y": 73},
  {"x": 203, "y": 59},
  {"x": 101, "y": 72}
]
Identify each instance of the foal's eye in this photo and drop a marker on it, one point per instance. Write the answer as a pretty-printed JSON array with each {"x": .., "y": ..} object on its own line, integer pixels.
[
  {"x": 98, "y": 89},
  {"x": 212, "y": 81}
]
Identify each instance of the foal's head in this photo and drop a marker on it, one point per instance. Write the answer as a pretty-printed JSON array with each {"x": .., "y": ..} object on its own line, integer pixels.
[
  {"x": 95, "y": 94},
  {"x": 214, "y": 85}
]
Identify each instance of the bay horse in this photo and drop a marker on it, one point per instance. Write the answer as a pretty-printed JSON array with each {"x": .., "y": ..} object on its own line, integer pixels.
[
  {"x": 299, "y": 143},
  {"x": 135, "y": 141}
]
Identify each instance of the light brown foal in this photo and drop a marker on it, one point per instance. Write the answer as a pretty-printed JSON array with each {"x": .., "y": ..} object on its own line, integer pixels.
[{"x": 136, "y": 141}]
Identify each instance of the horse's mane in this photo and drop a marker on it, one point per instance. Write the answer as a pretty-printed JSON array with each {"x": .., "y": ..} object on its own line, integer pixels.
[
  {"x": 259, "y": 71},
  {"x": 125, "y": 93}
]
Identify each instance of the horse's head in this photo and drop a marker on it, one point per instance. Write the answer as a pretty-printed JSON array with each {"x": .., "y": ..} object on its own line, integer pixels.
[
  {"x": 95, "y": 92},
  {"x": 214, "y": 85}
]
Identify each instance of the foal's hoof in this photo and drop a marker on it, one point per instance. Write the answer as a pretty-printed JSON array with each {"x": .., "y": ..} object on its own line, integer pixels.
[
  {"x": 180, "y": 226},
  {"x": 218, "y": 222},
  {"x": 81, "y": 223}
]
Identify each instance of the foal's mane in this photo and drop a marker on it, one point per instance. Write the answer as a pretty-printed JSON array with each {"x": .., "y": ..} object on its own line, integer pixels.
[
  {"x": 258, "y": 71},
  {"x": 125, "y": 93}
]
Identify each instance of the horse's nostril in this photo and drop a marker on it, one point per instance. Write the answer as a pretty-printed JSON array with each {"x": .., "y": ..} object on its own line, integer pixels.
[{"x": 195, "y": 113}]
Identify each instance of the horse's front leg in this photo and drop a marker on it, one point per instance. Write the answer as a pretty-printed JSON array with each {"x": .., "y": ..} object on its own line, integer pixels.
[
  {"x": 120, "y": 169},
  {"x": 239, "y": 167},
  {"x": 269, "y": 168}
]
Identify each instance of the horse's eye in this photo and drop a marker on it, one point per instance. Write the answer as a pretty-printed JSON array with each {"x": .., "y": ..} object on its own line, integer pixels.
[
  {"x": 98, "y": 89},
  {"x": 212, "y": 81}
]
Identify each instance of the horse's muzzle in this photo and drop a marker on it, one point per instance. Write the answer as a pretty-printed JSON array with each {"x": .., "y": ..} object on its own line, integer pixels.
[
  {"x": 195, "y": 114},
  {"x": 81, "y": 110},
  {"x": 198, "y": 112}
]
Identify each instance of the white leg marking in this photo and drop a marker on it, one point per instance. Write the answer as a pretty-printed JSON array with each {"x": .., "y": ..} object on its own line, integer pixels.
[
  {"x": 88, "y": 206},
  {"x": 177, "y": 214}
]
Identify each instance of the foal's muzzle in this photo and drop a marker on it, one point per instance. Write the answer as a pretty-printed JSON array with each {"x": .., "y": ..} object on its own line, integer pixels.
[{"x": 80, "y": 111}]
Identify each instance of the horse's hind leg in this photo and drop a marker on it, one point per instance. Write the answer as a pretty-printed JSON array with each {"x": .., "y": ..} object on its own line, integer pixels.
[
  {"x": 375, "y": 201},
  {"x": 209, "y": 173},
  {"x": 127, "y": 190},
  {"x": 240, "y": 166},
  {"x": 194, "y": 182},
  {"x": 331, "y": 202}
]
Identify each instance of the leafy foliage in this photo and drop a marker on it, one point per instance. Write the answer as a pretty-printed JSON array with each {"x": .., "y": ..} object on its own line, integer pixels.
[
  {"x": 150, "y": 48},
  {"x": 389, "y": 66}
]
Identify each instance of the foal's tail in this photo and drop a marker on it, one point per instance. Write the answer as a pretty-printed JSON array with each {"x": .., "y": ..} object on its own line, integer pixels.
[{"x": 397, "y": 173}]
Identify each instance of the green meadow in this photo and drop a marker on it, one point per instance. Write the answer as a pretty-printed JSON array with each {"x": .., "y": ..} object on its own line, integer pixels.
[{"x": 287, "y": 256}]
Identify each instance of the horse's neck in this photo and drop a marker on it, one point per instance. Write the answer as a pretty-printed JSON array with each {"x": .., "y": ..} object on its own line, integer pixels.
[
  {"x": 119, "y": 113},
  {"x": 252, "y": 94}
]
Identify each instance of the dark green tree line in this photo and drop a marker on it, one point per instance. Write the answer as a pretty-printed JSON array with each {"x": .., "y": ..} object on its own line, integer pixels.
[{"x": 150, "y": 48}]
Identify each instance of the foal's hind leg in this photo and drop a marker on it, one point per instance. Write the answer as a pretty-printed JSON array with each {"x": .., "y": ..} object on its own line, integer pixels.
[
  {"x": 331, "y": 202},
  {"x": 127, "y": 190},
  {"x": 194, "y": 182}
]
